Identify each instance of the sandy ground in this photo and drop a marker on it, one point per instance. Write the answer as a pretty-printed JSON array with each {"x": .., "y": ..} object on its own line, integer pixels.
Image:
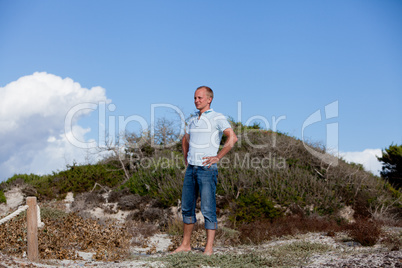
[
  {"x": 342, "y": 256},
  {"x": 14, "y": 198}
]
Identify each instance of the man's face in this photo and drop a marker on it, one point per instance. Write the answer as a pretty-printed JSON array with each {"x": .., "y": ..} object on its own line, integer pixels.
[{"x": 201, "y": 99}]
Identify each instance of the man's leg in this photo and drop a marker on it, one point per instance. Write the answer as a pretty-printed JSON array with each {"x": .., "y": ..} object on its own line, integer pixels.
[
  {"x": 189, "y": 198},
  {"x": 210, "y": 242},
  {"x": 207, "y": 180},
  {"x": 185, "y": 244}
]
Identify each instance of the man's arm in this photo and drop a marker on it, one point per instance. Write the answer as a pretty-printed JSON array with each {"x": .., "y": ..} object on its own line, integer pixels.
[
  {"x": 185, "y": 146},
  {"x": 230, "y": 142}
]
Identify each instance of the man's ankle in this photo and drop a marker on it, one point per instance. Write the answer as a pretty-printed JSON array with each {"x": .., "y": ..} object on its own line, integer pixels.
[{"x": 208, "y": 251}]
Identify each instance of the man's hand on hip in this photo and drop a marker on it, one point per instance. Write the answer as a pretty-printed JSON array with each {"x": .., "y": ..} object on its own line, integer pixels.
[{"x": 209, "y": 160}]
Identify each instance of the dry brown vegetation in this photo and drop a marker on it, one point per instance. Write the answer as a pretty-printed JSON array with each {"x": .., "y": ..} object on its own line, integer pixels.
[
  {"x": 262, "y": 231},
  {"x": 364, "y": 231},
  {"x": 64, "y": 235}
]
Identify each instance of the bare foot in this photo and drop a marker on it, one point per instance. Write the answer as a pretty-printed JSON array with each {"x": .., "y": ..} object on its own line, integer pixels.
[
  {"x": 208, "y": 252},
  {"x": 181, "y": 249}
]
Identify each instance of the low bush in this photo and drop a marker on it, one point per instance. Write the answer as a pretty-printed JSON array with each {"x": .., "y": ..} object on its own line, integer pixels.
[
  {"x": 163, "y": 184},
  {"x": 252, "y": 207},
  {"x": 78, "y": 179},
  {"x": 158, "y": 216},
  {"x": 364, "y": 231}
]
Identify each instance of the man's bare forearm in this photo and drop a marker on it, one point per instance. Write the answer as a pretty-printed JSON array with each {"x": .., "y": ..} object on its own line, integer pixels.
[
  {"x": 229, "y": 144},
  {"x": 185, "y": 147}
]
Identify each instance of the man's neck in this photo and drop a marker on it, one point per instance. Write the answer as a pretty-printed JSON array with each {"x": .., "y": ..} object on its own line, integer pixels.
[{"x": 200, "y": 112}]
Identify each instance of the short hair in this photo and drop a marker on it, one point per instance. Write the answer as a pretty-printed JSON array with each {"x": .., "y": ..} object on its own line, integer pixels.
[{"x": 210, "y": 93}]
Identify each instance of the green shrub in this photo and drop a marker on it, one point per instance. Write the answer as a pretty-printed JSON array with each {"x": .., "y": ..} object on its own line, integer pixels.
[
  {"x": 75, "y": 179},
  {"x": 2, "y": 197},
  {"x": 253, "y": 206},
  {"x": 82, "y": 178},
  {"x": 163, "y": 184}
]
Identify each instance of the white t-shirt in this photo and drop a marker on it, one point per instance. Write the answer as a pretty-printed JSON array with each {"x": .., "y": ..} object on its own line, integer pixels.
[{"x": 205, "y": 135}]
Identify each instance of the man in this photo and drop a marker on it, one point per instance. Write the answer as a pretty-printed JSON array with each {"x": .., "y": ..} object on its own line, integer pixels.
[{"x": 200, "y": 149}]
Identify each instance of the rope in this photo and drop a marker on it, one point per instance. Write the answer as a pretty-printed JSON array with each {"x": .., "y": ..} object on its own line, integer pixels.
[
  {"x": 18, "y": 211},
  {"x": 15, "y": 213}
]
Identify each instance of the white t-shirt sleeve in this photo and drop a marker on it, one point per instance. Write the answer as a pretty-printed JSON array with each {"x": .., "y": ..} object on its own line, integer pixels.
[{"x": 222, "y": 123}]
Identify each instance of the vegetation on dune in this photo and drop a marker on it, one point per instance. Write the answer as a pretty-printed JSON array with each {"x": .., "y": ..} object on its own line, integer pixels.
[
  {"x": 265, "y": 175},
  {"x": 75, "y": 179}
]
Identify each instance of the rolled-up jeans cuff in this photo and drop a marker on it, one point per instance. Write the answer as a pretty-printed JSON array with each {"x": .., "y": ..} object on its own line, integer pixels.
[
  {"x": 189, "y": 219},
  {"x": 211, "y": 225}
]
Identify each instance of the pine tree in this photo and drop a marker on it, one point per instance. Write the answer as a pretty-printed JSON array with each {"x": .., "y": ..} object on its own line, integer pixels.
[{"x": 392, "y": 165}]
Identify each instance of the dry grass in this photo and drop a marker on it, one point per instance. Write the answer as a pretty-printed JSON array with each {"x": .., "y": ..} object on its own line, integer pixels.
[
  {"x": 295, "y": 254},
  {"x": 393, "y": 241},
  {"x": 140, "y": 231},
  {"x": 261, "y": 231}
]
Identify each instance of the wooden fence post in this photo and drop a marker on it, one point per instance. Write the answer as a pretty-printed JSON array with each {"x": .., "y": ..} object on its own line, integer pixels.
[{"x": 32, "y": 229}]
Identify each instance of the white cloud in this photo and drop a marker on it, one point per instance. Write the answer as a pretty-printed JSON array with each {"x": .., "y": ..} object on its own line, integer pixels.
[
  {"x": 368, "y": 158},
  {"x": 32, "y": 116}
]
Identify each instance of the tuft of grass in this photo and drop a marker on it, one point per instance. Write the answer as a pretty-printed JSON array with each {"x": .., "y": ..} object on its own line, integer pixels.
[
  {"x": 393, "y": 241},
  {"x": 3, "y": 198},
  {"x": 228, "y": 236},
  {"x": 296, "y": 253},
  {"x": 140, "y": 231},
  {"x": 175, "y": 227},
  {"x": 184, "y": 260},
  {"x": 52, "y": 213}
]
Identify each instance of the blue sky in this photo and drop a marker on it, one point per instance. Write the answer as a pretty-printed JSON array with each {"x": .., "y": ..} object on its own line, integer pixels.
[{"x": 278, "y": 58}]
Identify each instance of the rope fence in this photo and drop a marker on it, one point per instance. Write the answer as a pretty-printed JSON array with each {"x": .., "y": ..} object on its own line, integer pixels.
[
  {"x": 33, "y": 223},
  {"x": 14, "y": 214},
  {"x": 18, "y": 211}
]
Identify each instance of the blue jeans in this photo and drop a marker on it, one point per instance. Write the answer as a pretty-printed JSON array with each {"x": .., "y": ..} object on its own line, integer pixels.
[{"x": 202, "y": 180}]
